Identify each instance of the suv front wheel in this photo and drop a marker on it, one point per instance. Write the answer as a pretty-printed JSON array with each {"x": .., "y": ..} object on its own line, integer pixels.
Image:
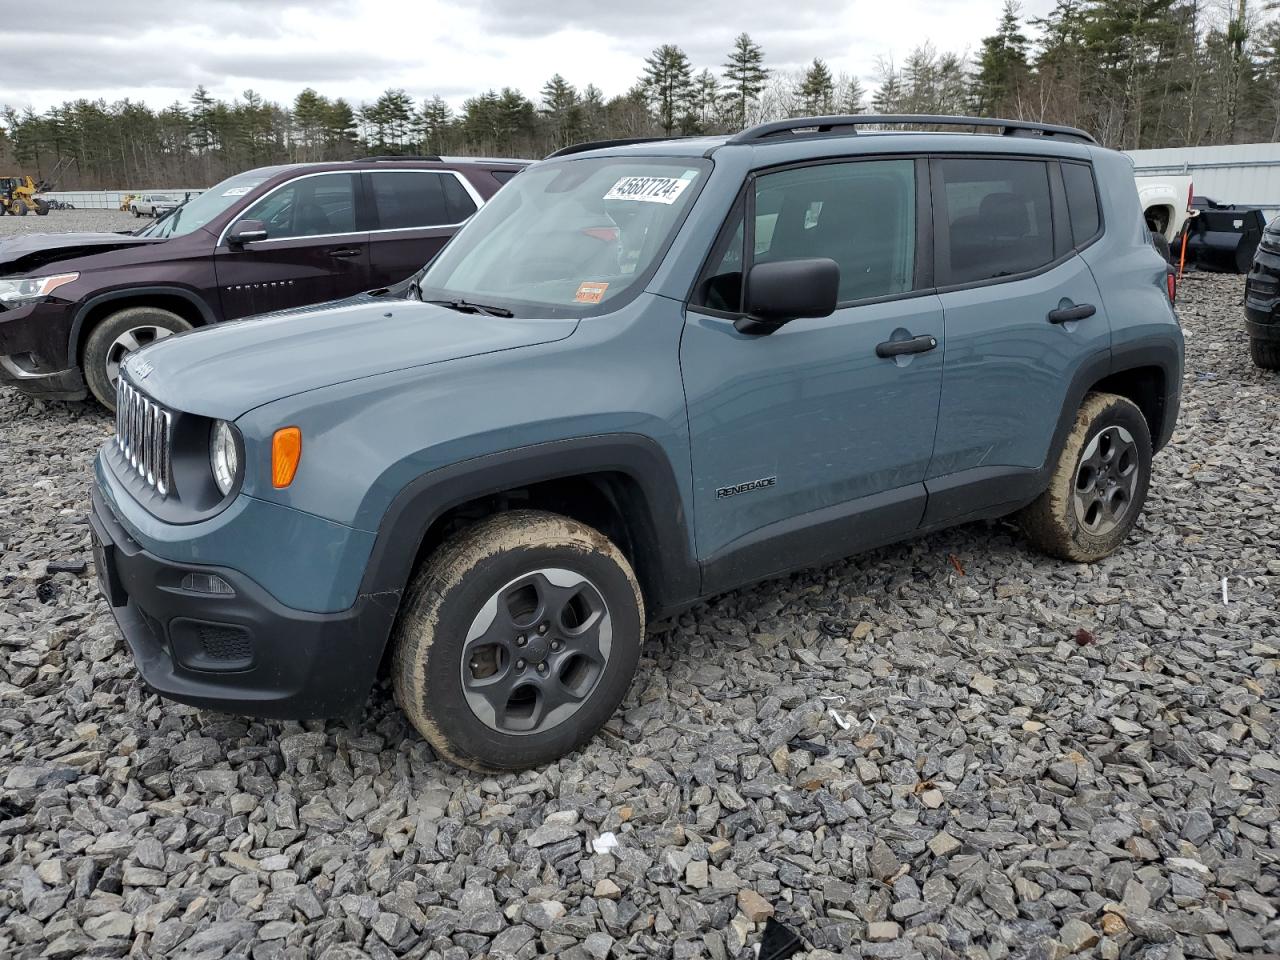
[
  {"x": 517, "y": 640},
  {"x": 119, "y": 335},
  {"x": 1098, "y": 486}
]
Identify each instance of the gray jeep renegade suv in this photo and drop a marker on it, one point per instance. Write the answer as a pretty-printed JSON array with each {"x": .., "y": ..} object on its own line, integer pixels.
[{"x": 645, "y": 373}]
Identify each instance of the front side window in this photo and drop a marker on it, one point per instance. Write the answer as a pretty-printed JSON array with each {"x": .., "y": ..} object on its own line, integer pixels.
[
  {"x": 308, "y": 207},
  {"x": 994, "y": 219},
  {"x": 419, "y": 198},
  {"x": 568, "y": 238},
  {"x": 860, "y": 214}
]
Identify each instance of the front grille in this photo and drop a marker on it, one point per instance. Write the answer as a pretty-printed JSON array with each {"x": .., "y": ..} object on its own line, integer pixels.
[{"x": 144, "y": 431}]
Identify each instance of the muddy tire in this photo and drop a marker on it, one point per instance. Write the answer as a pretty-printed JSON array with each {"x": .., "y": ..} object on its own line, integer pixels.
[
  {"x": 18, "y": 209},
  {"x": 42, "y": 208},
  {"x": 1265, "y": 353},
  {"x": 517, "y": 640},
  {"x": 116, "y": 337},
  {"x": 1098, "y": 486}
]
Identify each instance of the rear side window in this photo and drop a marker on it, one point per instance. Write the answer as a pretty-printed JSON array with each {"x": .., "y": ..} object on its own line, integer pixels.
[
  {"x": 412, "y": 198},
  {"x": 993, "y": 218},
  {"x": 860, "y": 214},
  {"x": 502, "y": 176},
  {"x": 1082, "y": 202}
]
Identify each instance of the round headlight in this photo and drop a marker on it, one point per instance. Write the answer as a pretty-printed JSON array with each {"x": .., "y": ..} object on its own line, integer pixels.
[{"x": 222, "y": 456}]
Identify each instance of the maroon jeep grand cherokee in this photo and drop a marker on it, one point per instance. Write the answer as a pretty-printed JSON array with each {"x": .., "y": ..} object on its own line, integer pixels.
[{"x": 73, "y": 305}]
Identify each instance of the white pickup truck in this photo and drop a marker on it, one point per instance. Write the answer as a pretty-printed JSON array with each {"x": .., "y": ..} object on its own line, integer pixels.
[{"x": 1166, "y": 203}]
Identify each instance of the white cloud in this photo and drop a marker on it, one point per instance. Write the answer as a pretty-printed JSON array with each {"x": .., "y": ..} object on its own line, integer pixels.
[{"x": 356, "y": 49}]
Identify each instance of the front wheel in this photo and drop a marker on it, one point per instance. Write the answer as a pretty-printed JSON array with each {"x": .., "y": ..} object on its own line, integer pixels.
[
  {"x": 517, "y": 640},
  {"x": 1098, "y": 486},
  {"x": 1265, "y": 353},
  {"x": 115, "y": 338},
  {"x": 19, "y": 208}
]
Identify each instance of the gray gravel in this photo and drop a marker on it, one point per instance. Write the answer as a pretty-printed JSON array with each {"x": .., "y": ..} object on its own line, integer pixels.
[
  {"x": 948, "y": 748},
  {"x": 70, "y": 221}
]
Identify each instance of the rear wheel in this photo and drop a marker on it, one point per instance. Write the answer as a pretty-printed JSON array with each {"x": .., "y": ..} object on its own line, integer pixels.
[
  {"x": 1266, "y": 353},
  {"x": 42, "y": 208},
  {"x": 115, "y": 338},
  {"x": 1098, "y": 486},
  {"x": 517, "y": 640}
]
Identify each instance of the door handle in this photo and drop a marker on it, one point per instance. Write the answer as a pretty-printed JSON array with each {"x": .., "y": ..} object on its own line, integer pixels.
[
  {"x": 1063, "y": 314},
  {"x": 896, "y": 348},
  {"x": 345, "y": 252}
]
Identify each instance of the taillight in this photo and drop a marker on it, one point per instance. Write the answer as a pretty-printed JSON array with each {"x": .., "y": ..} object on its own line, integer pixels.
[
  {"x": 1171, "y": 285},
  {"x": 1191, "y": 192}
]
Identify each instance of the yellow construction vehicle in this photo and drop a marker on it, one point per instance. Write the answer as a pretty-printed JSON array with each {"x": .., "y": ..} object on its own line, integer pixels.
[{"x": 18, "y": 195}]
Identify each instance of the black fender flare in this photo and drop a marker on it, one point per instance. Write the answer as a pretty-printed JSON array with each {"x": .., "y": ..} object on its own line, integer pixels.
[
  {"x": 207, "y": 315},
  {"x": 656, "y": 519}
]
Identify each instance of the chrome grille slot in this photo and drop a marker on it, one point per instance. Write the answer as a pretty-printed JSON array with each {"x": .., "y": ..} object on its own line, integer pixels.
[{"x": 144, "y": 431}]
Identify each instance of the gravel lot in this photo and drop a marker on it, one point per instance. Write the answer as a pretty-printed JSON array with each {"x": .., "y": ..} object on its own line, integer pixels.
[
  {"x": 70, "y": 221},
  {"x": 948, "y": 748}
]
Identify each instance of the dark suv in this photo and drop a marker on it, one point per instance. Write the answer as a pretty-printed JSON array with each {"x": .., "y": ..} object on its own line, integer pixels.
[
  {"x": 74, "y": 305},
  {"x": 1262, "y": 300}
]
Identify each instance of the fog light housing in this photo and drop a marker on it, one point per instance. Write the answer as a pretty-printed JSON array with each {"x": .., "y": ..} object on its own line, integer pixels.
[{"x": 207, "y": 583}]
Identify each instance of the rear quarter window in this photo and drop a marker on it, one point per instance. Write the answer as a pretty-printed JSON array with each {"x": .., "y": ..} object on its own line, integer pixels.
[{"x": 1082, "y": 202}]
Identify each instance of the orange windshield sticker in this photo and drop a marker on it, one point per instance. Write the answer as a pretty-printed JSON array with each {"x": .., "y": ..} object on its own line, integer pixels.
[{"x": 590, "y": 292}]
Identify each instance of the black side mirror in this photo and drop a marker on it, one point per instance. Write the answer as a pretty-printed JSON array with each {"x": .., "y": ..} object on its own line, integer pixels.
[
  {"x": 787, "y": 290},
  {"x": 246, "y": 231}
]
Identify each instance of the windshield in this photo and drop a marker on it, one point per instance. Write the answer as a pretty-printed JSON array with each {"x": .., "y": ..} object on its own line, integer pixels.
[
  {"x": 199, "y": 210},
  {"x": 567, "y": 238}
]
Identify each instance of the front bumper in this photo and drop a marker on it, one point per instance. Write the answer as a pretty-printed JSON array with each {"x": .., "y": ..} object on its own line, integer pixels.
[
  {"x": 243, "y": 653},
  {"x": 33, "y": 351},
  {"x": 1262, "y": 293}
]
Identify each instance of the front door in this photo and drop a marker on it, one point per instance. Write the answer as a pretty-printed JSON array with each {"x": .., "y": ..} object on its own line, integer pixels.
[
  {"x": 808, "y": 443},
  {"x": 417, "y": 211},
  {"x": 1023, "y": 315},
  {"x": 313, "y": 251}
]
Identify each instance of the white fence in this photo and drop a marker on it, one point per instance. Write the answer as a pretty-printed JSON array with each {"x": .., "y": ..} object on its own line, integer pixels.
[{"x": 111, "y": 199}]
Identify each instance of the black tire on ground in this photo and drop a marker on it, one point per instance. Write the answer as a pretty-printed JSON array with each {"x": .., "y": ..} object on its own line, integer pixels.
[
  {"x": 1098, "y": 486},
  {"x": 136, "y": 211},
  {"x": 104, "y": 335},
  {"x": 42, "y": 208},
  {"x": 19, "y": 208},
  {"x": 1160, "y": 243},
  {"x": 491, "y": 570},
  {"x": 1265, "y": 353}
]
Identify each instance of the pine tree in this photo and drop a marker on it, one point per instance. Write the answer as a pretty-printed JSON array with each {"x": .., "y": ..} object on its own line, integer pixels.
[
  {"x": 706, "y": 100},
  {"x": 888, "y": 97},
  {"x": 745, "y": 76},
  {"x": 1002, "y": 66},
  {"x": 668, "y": 83},
  {"x": 560, "y": 105},
  {"x": 434, "y": 121},
  {"x": 817, "y": 90}
]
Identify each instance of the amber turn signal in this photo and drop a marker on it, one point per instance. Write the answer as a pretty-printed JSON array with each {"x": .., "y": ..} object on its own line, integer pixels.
[{"x": 286, "y": 451}]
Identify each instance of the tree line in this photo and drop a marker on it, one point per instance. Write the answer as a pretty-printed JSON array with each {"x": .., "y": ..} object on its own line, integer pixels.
[{"x": 1135, "y": 73}]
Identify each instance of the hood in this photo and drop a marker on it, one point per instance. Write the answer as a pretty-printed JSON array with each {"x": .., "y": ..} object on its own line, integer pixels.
[
  {"x": 226, "y": 370},
  {"x": 28, "y": 252}
]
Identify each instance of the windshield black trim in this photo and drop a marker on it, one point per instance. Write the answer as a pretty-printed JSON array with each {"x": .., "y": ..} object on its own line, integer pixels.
[{"x": 530, "y": 309}]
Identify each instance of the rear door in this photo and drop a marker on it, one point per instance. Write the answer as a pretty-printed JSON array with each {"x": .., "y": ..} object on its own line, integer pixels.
[
  {"x": 313, "y": 251},
  {"x": 415, "y": 214},
  {"x": 1023, "y": 316}
]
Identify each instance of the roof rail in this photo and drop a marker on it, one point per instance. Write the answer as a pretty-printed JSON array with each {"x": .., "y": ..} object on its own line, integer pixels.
[
  {"x": 848, "y": 125},
  {"x": 602, "y": 144},
  {"x": 428, "y": 157}
]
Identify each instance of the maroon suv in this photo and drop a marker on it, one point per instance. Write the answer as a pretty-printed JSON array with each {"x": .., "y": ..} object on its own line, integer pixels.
[{"x": 73, "y": 305}]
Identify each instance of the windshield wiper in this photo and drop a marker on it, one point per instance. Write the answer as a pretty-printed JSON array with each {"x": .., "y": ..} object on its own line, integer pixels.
[{"x": 464, "y": 306}]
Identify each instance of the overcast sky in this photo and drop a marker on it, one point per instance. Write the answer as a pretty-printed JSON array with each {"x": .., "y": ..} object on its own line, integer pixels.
[{"x": 158, "y": 52}]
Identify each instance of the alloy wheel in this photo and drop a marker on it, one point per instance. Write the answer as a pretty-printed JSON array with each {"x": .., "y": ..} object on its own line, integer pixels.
[
  {"x": 1106, "y": 480},
  {"x": 127, "y": 343}
]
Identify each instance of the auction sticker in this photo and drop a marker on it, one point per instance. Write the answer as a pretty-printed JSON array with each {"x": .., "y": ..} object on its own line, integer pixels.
[
  {"x": 590, "y": 292},
  {"x": 648, "y": 189},
  {"x": 236, "y": 191}
]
